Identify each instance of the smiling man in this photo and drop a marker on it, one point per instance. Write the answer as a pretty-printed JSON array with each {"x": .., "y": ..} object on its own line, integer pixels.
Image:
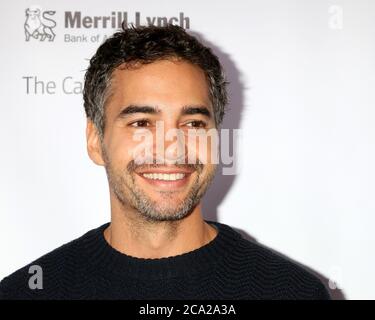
[{"x": 157, "y": 245}]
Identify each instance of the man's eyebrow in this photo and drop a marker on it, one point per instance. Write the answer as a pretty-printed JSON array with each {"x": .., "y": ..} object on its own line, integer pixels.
[
  {"x": 131, "y": 109},
  {"x": 196, "y": 110}
]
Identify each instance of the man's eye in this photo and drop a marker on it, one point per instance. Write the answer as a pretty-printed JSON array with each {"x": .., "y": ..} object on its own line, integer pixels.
[
  {"x": 140, "y": 123},
  {"x": 197, "y": 124}
]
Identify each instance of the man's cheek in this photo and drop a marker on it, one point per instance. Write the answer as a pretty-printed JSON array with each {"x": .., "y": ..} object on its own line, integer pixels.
[
  {"x": 140, "y": 147},
  {"x": 203, "y": 147},
  {"x": 207, "y": 172}
]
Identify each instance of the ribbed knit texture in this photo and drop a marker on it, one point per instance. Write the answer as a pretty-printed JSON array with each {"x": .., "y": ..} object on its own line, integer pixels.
[{"x": 229, "y": 267}]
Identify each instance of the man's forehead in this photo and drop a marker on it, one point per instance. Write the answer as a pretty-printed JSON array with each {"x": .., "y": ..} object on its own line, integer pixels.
[{"x": 138, "y": 86}]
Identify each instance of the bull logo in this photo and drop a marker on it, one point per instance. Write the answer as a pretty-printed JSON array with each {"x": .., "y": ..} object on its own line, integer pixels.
[{"x": 39, "y": 26}]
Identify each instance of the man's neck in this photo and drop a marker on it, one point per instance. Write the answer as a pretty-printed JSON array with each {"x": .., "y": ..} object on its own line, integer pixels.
[{"x": 133, "y": 235}]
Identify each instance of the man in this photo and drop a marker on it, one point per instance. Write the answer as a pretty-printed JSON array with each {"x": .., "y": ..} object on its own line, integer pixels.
[{"x": 157, "y": 245}]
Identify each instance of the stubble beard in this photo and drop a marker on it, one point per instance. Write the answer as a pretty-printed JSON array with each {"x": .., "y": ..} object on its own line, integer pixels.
[{"x": 123, "y": 185}]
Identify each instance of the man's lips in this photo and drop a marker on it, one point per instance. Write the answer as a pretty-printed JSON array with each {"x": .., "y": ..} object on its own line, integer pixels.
[
  {"x": 165, "y": 170},
  {"x": 166, "y": 178}
]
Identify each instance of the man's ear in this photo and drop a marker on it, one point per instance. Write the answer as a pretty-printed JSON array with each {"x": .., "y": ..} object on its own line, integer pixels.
[{"x": 94, "y": 148}]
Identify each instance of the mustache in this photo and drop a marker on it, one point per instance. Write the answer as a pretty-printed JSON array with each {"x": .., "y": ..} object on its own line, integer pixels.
[{"x": 132, "y": 166}]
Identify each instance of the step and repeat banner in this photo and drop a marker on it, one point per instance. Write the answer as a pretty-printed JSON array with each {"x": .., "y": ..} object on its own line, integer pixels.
[{"x": 302, "y": 96}]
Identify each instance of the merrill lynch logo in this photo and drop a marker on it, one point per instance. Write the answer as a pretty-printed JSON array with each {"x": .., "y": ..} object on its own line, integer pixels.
[{"x": 39, "y": 24}]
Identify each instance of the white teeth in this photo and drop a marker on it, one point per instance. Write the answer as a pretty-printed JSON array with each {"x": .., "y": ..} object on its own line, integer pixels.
[{"x": 164, "y": 176}]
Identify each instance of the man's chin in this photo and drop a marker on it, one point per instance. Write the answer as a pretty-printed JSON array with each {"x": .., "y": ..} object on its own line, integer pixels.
[
  {"x": 165, "y": 215},
  {"x": 165, "y": 197},
  {"x": 166, "y": 210}
]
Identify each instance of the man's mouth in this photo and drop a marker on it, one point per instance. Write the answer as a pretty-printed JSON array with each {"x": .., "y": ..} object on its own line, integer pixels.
[
  {"x": 164, "y": 176},
  {"x": 166, "y": 179}
]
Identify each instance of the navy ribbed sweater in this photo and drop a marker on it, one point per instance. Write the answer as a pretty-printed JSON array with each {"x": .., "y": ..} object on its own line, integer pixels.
[{"x": 229, "y": 267}]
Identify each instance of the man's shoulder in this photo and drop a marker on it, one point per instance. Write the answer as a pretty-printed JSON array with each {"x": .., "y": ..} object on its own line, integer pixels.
[
  {"x": 272, "y": 270},
  {"x": 51, "y": 267}
]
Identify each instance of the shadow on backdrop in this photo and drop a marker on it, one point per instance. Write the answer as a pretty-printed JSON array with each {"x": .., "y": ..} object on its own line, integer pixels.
[{"x": 222, "y": 183}]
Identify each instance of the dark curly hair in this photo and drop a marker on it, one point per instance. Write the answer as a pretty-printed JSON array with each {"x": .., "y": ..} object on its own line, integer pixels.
[{"x": 145, "y": 45}]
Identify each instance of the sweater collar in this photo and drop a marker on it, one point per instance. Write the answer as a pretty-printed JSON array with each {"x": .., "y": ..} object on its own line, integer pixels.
[{"x": 108, "y": 259}]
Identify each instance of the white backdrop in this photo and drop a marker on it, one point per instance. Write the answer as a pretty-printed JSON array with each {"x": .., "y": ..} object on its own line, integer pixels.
[{"x": 302, "y": 89}]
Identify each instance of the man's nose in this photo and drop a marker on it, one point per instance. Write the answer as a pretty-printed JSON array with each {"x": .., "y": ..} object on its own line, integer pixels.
[{"x": 169, "y": 143}]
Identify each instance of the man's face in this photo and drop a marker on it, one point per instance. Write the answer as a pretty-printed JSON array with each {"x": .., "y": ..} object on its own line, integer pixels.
[{"x": 172, "y": 93}]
